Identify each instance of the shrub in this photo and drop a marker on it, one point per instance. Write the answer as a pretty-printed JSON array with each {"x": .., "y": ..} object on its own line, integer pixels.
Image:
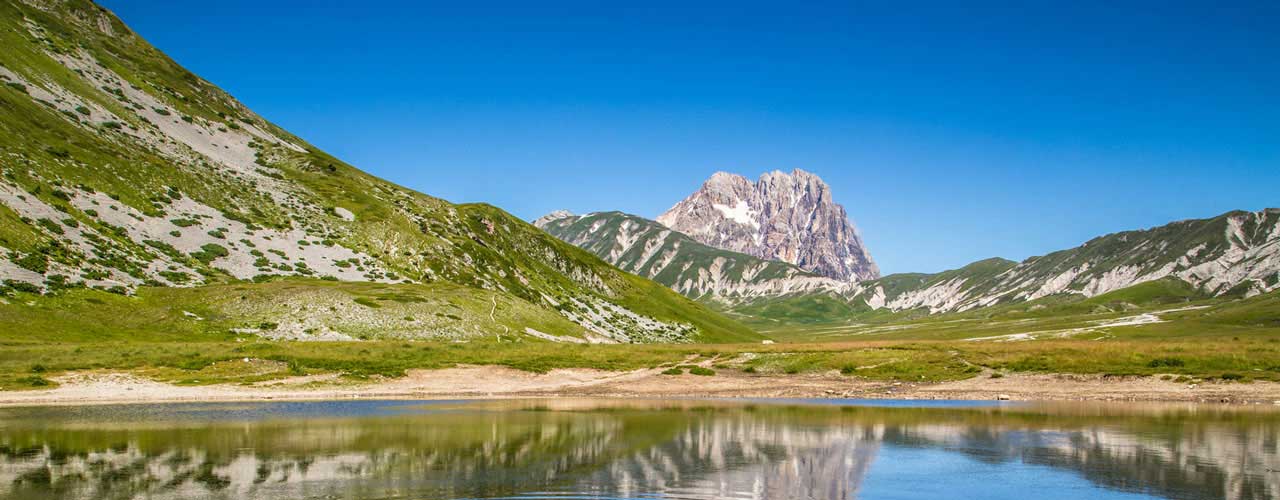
[
  {"x": 52, "y": 226},
  {"x": 94, "y": 274},
  {"x": 59, "y": 282},
  {"x": 702, "y": 371},
  {"x": 210, "y": 252},
  {"x": 183, "y": 222},
  {"x": 22, "y": 286},
  {"x": 33, "y": 262},
  {"x": 1166, "y": 362},
  {"x": 35, "y": 381},
  {"x": 175, "y": 276},
  {"x": 673, "y": 371},
  {"x": 82, "y": 110},
  {"x": 112, "y": 125}
]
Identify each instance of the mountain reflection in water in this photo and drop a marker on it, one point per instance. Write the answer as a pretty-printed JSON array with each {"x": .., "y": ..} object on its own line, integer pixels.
[{"x": 636, "y": 449}]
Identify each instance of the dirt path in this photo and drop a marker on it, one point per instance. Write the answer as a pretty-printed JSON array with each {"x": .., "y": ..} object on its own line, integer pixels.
[{"x": 500, "y": 382}]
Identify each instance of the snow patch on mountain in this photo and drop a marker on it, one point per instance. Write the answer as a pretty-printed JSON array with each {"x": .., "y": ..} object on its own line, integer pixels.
[{"x": 740, "y": 213}]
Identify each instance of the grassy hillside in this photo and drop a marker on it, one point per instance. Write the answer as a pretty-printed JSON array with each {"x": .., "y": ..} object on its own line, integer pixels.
[
  {"x": 1160, "y": 310},
  {"x": 126, "y": 173},
  {"x": 804, "y": 309}
]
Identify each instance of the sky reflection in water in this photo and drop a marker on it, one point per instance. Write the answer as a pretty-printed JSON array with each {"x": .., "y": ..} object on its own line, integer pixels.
[{"x": 696, "y": 449}]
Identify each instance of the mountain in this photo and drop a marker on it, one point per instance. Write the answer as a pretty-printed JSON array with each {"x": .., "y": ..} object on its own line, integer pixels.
[
  {"x": 652, "y": 250},
  {"x": 785, "y": 217},
  {"x": 1237, "y": 253},
  {"x": 1234, "y": 253},
  {"x": 124, "y": 172}
]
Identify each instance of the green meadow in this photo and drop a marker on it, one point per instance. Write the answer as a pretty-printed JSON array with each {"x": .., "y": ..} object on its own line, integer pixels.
[{"x": 204, "y": 335}]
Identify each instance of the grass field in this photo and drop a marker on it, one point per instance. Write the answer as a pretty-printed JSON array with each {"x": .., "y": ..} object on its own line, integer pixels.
[
  {"x": 193, "y": 336},
  {"x": 29, "y": 365}
]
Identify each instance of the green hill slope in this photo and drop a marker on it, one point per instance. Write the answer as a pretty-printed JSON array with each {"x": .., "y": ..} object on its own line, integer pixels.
[{"x": 124, "y": 172}]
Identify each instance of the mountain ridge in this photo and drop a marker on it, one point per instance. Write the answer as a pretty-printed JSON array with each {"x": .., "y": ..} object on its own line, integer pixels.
[
  {"x": 1235, "y": 252},
  {"x": 1213, "y": 254},
  {"x": 650, "y": 249}
]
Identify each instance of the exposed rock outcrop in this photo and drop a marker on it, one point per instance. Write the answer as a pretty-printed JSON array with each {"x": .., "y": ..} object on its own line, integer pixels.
[{"x": 784, "y": 216}]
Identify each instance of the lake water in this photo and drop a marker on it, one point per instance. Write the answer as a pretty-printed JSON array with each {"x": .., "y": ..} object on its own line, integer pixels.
[{"x": 695, "y": 449}]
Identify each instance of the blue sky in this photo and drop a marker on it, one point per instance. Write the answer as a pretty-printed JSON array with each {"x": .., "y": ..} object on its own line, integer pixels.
[{"x": 950, "y": 133}]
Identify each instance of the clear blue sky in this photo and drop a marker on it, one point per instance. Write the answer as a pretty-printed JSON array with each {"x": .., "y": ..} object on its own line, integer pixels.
[{"x": 950, "y": 133}]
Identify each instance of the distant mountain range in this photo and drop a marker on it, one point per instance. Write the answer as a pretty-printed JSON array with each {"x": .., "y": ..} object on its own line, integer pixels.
[
  {"x": 783, "y": 239},
  {"x": 1236, "y": 252}
]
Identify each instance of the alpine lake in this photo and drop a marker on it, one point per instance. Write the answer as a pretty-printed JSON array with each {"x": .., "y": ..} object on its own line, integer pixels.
[{"x": 638, "y": 449}]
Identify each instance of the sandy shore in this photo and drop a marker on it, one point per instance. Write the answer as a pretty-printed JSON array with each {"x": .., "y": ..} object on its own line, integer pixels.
[{"x": 500, "y": 382}]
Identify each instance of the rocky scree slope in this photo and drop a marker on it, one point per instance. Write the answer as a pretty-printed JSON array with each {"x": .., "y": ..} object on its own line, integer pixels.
[
  {"x": 119, "y": 169},
  {"x": 785, "y": 217},
  {"x": 1236, "y": 253},
  {"x": 652, "y": 250}
]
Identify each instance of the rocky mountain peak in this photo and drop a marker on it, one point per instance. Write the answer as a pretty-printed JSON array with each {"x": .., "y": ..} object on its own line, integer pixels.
[
  {"x": 553, "y": 216},
  {"x": 722, "y": 177},
  {"x": 783, "y": 216}
]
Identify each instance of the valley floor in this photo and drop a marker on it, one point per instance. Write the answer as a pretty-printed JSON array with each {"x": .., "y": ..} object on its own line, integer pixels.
[
  {"x": 143, "y": 349},
  {"x": 463, "y": 382}
]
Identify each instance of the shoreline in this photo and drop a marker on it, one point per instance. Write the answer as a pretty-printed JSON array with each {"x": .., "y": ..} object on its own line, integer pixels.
[{"x": 492, "y": 382}]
